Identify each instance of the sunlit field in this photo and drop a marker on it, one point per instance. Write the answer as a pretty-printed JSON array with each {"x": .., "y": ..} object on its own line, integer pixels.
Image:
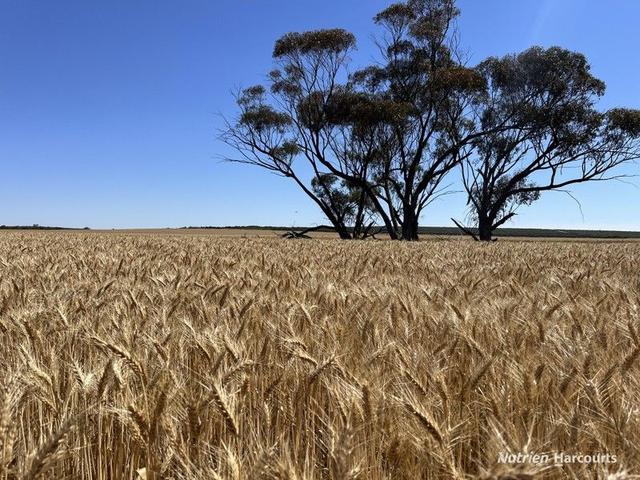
[{"x": 202, "y": 357}]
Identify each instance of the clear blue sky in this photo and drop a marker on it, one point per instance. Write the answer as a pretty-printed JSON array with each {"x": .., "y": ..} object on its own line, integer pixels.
[{"x": 109, "y": 109}]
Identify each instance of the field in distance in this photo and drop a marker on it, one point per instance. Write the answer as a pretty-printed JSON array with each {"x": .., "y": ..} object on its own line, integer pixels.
[
  {"x": 166, "y": 355},
  {"x": 425, "y": 232},
  {"x": 430, "y": 232}
]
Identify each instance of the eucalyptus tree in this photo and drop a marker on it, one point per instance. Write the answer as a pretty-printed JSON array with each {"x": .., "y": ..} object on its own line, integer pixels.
[
  {"x": 427, "y": 90},
  {"x": 390, "y": 131},
  {"x": 269, "y": 132},
  {"x": 379, "y": 143},
  {"x": 560, "y": 139}
]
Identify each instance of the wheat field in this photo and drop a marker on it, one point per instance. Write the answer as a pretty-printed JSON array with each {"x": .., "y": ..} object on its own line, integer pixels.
[{"x": 131, "y": 356}]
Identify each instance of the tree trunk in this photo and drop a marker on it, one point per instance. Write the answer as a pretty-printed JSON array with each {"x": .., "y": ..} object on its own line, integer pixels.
[
  {"x": 338, "y": 224},
  {"x": 485, "y": 229},
  {"x": 410, "y": 226},
  {"x": 344, "y": 234},
  {"x": 341, "y": 229}
]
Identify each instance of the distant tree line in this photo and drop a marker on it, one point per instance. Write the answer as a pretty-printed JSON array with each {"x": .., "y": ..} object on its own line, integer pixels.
[
  {"x": 376, "y": 146},
  {"x": 36, "y": 226}
]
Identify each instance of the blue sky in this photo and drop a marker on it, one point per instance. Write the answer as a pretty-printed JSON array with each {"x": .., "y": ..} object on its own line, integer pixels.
[{"x": 109, "y": 109}]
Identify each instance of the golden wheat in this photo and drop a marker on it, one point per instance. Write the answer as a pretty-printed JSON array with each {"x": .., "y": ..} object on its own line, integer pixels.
[{"x": 197, "y": 357}]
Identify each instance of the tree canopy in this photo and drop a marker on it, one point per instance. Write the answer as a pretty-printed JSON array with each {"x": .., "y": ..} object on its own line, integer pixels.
[
  {"x": 379, "y": 142},
  {"x": 560, "y": 138}
]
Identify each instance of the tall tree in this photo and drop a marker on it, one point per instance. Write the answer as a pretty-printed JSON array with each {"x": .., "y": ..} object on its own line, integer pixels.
[
  {"x": 288, "y": 129},
  {"x": 560, "y": 138},
  {"x": 391, "y": 130},
  {"x": 421, "y": 79},
  {"x": 385, "y": 138}
]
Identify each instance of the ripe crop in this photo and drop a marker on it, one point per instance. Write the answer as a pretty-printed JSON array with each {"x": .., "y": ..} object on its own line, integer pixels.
[{"x": 198, "y": 357}]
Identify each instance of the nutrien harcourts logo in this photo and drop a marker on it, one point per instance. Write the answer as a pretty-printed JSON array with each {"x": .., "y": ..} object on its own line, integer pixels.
[{"x": 555, "y": 458}]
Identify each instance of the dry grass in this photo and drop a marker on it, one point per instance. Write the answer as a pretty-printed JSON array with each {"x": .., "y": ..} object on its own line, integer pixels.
[{"x": 157, "y": 356}]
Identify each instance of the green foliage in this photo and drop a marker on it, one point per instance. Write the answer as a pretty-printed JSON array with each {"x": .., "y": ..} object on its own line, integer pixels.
[
  {"x": 360, "y": 109},
  {"x": 257, "y": 114},
  {"x": 425, "y": 20},
  {"x": 546, "y": 89},
  {"x": 349, "y": 202},
  {"x": 397, "y": 14},
  {"x": 264, "y": 117},
  {"x": 506, "y": 195},
  {"x": 458, "y": 78},
  {"x": 287, "y": 150},
  {"x": 539, "y": 121},
  {"x": 554, "y": 72},
  {"x": 386, "y": 136},
  {"x": 433, "y": 18},
  {"x": 314, "y": 42},
  {"x": 624, "y": 120}
]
